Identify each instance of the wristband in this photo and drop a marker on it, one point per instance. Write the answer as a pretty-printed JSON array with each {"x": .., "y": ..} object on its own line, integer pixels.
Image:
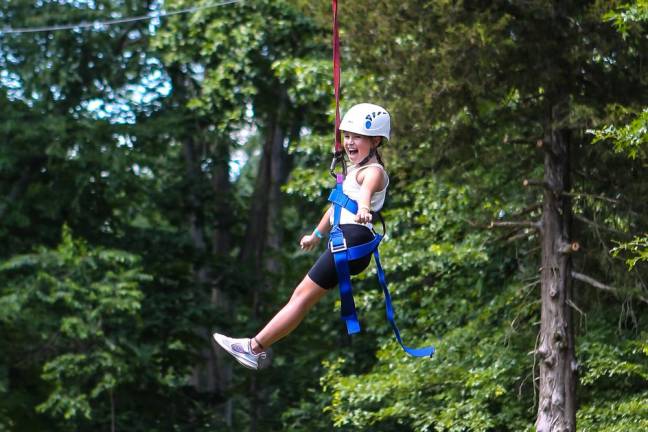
[{"x": 318, "y": 234}]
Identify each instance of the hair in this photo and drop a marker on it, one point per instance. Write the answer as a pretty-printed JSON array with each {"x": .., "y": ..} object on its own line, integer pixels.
[{"x": 380, "y": 161}]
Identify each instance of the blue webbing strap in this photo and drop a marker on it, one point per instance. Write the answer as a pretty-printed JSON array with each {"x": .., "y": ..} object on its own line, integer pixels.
[
  {"x": 337, "y": 210},
  {"x": 338, "y": 197},
  {"x": 359, "y": 251},
  {"x": 389, "y": 310},
  {"x": 338, "y": 247},
  {"x": 347, "y": 309},
  {"x": 343, "y": 254}
]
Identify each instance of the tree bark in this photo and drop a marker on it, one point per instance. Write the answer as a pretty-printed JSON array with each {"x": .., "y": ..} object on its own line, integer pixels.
[
  {"x": 212, "y": 375},
  {"x": 263, "y": 233},
  {"x": 557, "y": 363},
  {"x": 204, "y": 374},
  {"x": 218, "y": 362}
]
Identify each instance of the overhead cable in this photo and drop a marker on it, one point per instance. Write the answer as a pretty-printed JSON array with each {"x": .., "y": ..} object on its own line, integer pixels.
[{"x": 91, "y": 24}]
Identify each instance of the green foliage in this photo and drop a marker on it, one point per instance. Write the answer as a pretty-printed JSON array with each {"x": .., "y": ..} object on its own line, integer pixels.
[
  {"x": 307, "y": 80},
  {"x": 631, "y": 139},
  {"x": 477, "y": 381},
  {"x": 626, "y": 413},
  {"x": 614, "y": 379},
  {"x": 98, "y": 127},
  {"x": 479, "y": 376},
  {"x": 637, "y": 249},
  {"x": 467, "y": 114},
  {"x": 619, "y": 364},
  {"x": 75, "y": 305},
  {"x": 629, "y": 17},
  {"x": 244, "y": 56},
  {"x": 309, "y": 180}
]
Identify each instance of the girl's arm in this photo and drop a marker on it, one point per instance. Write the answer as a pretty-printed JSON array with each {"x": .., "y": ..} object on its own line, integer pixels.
[{"x": 371, "y": 180}]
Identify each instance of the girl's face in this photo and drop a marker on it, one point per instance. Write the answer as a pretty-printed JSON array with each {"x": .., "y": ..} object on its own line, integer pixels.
[{"x": 358, "y": 146}]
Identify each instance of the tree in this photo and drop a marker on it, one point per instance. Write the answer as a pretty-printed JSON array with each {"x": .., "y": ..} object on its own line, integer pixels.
[
  {"x": 127, "y": 134},
  {"x": 73, "y": 307},
  {"x": 244, "y": 67},
  {"x": 475, "y": 86},
  {"x": 81, "y": 149}
]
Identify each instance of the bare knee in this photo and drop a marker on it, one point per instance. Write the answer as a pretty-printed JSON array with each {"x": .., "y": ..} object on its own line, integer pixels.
[{"x": 301, "y": 290}]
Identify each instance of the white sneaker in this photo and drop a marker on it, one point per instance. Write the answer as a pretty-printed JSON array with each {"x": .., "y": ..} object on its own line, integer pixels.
[{"x": 241, "y": 350}]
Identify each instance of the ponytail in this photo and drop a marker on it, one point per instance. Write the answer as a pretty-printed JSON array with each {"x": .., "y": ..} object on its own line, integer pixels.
[{"x": 380, "y": 161}]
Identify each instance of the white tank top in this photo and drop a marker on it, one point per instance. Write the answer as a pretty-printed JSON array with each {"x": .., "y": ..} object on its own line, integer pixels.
[{"x": 352, "y": 189}]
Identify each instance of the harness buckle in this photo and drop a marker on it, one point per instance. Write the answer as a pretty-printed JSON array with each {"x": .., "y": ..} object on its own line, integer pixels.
[{"x": 339, "y": 248}]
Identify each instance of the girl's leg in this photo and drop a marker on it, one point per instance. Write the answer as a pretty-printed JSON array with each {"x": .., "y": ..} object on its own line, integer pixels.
[{"x": 288, "y": 318}]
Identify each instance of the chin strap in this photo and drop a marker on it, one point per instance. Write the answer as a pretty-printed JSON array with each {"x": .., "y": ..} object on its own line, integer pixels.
[{"x": 371, "y": 154}]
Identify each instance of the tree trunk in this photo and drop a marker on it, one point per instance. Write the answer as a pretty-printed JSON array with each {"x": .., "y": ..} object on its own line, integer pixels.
[
  {"x": 263, "y": 232},
  {"x": 221, "y": 238},
  {"x": 557, "y": 364},
  {"x": 212, "y": 375},
  {"x": 204, "y": 375},
  {"x": 221, "y": 243}
]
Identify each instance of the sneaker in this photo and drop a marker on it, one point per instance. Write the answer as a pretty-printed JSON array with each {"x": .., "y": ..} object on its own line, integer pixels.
[{"x": 241, "y": 350}]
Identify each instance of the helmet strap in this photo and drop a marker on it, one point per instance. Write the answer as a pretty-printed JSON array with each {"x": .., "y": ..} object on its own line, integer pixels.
[{"x": 371, "y": 154}]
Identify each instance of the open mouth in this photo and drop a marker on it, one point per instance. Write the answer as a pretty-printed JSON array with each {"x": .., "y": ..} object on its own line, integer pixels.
[{"x": 352, "y": 151}]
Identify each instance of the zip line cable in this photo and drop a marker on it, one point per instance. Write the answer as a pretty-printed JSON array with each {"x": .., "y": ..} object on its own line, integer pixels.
[{"x": 88, "y": 24}]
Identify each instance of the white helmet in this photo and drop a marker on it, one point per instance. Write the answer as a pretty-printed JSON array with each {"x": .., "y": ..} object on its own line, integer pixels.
[{"x": 367, "y": 119}]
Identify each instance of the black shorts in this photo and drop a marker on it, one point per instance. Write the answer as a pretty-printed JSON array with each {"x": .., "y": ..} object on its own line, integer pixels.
[{"x": 323, "y": 272}]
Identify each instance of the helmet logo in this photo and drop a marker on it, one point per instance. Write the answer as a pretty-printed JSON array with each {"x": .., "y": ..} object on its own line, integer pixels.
[{"x": 370, "y": 118}]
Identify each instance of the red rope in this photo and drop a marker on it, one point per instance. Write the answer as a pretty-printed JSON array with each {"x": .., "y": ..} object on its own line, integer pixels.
[{"x": 336, "y": 76}]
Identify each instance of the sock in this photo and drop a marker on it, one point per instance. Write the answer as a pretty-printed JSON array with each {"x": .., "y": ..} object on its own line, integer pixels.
[{"x": 259, "y": 349}]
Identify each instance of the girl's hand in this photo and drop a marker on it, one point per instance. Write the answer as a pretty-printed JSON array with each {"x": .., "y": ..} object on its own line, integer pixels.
[
  {"x": 363, "y": 216},
  {"x": 309, "y": 241}
]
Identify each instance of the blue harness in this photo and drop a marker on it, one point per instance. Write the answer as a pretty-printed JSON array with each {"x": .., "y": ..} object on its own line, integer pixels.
[{"x": 342, "y": 254}]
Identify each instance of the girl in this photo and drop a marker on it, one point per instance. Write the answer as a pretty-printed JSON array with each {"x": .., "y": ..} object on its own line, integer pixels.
[{"x": 364, "y": 127}]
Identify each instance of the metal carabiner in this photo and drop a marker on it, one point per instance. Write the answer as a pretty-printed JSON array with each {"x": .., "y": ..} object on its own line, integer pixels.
[{"x": 338, "y": 158}]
